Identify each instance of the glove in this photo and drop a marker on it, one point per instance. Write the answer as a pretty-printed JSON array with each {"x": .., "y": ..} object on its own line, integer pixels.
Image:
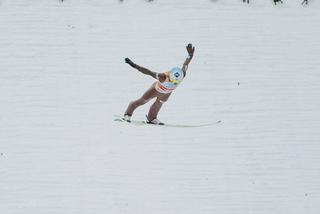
[
  {"x": 127, "y": 60},
  {"x": 190, "y": 49}
]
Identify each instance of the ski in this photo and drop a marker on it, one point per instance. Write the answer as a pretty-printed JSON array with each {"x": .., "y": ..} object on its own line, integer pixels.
[{"x": 119, "y": 118}]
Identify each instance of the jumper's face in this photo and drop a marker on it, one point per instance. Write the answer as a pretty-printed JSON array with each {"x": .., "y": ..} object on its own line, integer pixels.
[{"x": 174, "y": 81}]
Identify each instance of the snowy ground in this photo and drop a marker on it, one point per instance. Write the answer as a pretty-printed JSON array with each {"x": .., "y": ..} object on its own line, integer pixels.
[{"x": 62, "y": 78}]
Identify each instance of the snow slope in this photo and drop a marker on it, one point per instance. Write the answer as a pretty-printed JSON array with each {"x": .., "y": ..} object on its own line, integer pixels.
[{"x": 62, "y": 78}]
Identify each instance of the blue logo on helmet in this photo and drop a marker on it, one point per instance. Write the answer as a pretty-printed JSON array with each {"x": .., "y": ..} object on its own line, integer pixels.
[{"x": 176, "y": 75}]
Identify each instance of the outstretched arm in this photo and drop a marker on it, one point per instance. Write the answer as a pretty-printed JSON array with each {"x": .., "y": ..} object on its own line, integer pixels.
[
  {"x": 190, "y": 50},
  {"x": 158, "y": 76},
  {"x": 140, "y": 68}
]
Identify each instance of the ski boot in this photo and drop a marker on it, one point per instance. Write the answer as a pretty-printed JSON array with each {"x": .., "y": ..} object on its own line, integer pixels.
[
  {"x": 126, "y": 118},
  {"x": 155, "y": 121}
]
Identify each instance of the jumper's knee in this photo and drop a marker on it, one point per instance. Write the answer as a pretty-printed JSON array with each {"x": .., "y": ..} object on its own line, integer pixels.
[
  {"x": 138, "y": 103},
  {"x": 162, "y": 101},
  {"x": 144, "y": 101}
]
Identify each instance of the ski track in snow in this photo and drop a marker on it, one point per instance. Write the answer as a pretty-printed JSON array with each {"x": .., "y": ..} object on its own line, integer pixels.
[{"x": 62, "y": 78}]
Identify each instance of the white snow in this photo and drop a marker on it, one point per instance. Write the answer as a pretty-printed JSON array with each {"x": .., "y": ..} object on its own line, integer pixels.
[{"x": 63, "y": 77}]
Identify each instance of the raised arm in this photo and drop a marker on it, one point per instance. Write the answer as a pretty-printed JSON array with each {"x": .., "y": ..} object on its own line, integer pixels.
[{"x": 190, "y": 50}]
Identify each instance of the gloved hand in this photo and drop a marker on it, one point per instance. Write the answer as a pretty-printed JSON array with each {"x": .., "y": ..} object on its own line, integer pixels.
[
  {"x": 127, "y": 60},
  {"x": 190, "y": 49}
]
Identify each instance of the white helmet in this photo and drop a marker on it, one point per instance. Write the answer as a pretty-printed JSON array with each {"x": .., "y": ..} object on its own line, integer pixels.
[{"x": 176, "y": 75}]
